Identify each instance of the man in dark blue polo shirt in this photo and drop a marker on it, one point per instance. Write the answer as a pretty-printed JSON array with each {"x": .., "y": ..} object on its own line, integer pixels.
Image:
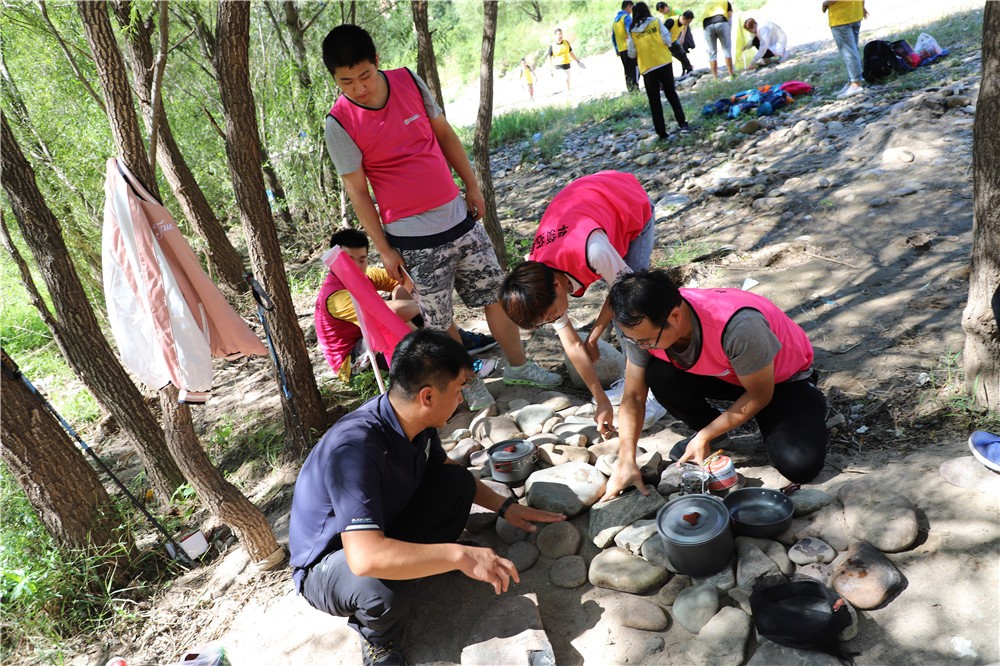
[{"x": 376, "y": 505}]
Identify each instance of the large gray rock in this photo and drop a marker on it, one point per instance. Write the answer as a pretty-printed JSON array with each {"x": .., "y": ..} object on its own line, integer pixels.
[
  {"x": 464, "y": 450},
  {"x": 530, "y": 419},
  {"x": 569, "y": 488},
  {"x": 569, "y": 572},
  {"x": 607, "y": 519},
  {"x": 632, "y": 537},
  {"x": 523, "y": 555},
  {"x": 643, "y": 615},
  {"x": 570, "y": 430},
  {"x": 496, "y": 429},
  {"x": 668, "y": 593},
  {"x": 695, "y": 606},
  {"x": 752, "y": 564},
  {"x": 723, "y": 641},
  {"x": 967, "y": 472},
  {"x": 510, "y": 632},
  {"x": 817, "y": 570},
  {"x": 809, "y": 500},
  {"x": 609, "y": 368},
  {"x": 827, "y": 524},
  {"x": 886, "y": 521},
  {"x": 654, "y": 551},
  {"x": 508, "y": 533},
  {"x": 617, "y": 569},
  {"x": 770, "y": 653},
  {"x": 554, "y": 400},
  {"x": 723, "y": 581},
  {"x": 865, "y": 577},
  {"x": 557, "y": 540}
]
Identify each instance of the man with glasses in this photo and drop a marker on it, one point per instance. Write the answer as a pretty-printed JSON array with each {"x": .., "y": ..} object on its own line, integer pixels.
[
  {"x": 690, "y": 346},
  {"x": 598, "y": 227}
]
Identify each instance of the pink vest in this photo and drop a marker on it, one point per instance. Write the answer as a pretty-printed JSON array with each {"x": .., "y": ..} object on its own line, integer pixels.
[
  {"x": 715, "y": 307},
  {"x": 336, "y": 336},
  {"x": 609, "y": 201},
  {"x": 399, "y": 151}
]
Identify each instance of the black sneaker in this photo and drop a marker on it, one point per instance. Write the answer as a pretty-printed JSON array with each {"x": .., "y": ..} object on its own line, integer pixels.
[
  {"x": 476, "y": 342},
  {"x": 382, "y": 655}
]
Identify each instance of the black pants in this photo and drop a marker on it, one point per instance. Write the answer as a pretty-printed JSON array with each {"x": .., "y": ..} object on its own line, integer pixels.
[
  {"x": 655, "y": 80},
  {"x": 631, "y": 67},
  {"x": 756, "y": 45},
  {"x": 679, "y": 53},
  {"x": 379, "y": 609},
  {"x": 793, "y": 424}
]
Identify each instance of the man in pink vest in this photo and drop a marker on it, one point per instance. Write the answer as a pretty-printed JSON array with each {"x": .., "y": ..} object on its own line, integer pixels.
[
  {"x": 694, "y": 345},
  {"x": 598, "y": 227},
  {"x": 388, "y": 132}
]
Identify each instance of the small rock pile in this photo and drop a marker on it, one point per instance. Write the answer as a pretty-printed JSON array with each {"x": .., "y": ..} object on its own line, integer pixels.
[{"x": 839, "y": 540}]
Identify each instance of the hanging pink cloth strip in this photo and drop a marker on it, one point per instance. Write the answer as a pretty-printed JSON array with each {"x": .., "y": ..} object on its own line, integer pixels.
[{"x": 381, "y": 327}]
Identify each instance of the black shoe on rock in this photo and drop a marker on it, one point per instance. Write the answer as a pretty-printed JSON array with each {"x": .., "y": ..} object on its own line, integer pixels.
[{"x": 382, "y": 655}]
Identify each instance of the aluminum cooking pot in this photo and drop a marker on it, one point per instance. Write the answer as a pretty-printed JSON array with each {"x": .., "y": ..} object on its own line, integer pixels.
[
  {"x": 696, "y": 534},
  {"x": 759, "y": 512},
  {"x": 512, "y": 460}
]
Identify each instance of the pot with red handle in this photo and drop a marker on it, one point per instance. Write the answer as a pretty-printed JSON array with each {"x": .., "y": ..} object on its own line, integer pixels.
[
  {"x": 696, "y": 534},
  {"x": 513, "y": 460}
]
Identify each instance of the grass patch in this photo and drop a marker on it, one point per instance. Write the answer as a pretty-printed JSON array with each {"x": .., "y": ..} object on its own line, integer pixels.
[{"x": 681, "y": 253}]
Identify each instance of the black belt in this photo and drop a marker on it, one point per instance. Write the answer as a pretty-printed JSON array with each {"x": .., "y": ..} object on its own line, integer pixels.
[{"x": 434, "y": 240}]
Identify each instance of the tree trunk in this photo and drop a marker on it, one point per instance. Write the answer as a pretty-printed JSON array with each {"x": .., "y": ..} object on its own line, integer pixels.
[
  {"x": 294, "y": 22},
  {"x": 481, "y": 142},
  {"x": 222, "y": 256},
  {"x": 982, "y": 341},
  {"x": 75, "y": 327},
  {"x": 426, "y": 62},
  {"x": 274, "y": 184},
  {"x": 306, "y": 416},
  {"x": 64, "y": 490},
  {"x": 219, "y": 496}
]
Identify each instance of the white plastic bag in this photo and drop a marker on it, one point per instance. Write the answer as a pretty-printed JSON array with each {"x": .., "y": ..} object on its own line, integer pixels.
[{"x": 927, "y": 47}]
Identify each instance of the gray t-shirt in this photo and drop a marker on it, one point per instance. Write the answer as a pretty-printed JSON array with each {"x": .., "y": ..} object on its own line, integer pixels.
[
  {"x": 747, "y": 341},
  {"x": 346, "y": 156}
]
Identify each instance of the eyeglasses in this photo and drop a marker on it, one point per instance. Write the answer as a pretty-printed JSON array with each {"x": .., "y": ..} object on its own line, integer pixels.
[{"x": 645, "y": 344}]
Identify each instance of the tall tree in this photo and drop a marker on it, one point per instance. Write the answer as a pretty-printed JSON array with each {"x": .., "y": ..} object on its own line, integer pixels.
[
  {"x": 481, "y": 142},
  {"x": 74, "y": 326},
  {"x": 222, "y": 256},
  {"x": 982, "y": 341},
  {"x": 64, "y": 490},
  {"x": 427, "y": 67},
  {"x": 219, "y": 496},
  {"x": 307, "y": 415}
]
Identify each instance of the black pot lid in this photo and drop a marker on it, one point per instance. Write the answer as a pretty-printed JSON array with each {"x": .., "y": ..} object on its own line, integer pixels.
[
  {"x": 511, "y": 450},
  {"x": 692, "y": 519}
]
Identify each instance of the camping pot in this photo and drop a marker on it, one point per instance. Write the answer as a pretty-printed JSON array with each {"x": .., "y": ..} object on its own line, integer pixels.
[
  {"x": 696, "y": 534},
  {"x": 759, "y": 512},
  {"x": 512, "y": 460}
]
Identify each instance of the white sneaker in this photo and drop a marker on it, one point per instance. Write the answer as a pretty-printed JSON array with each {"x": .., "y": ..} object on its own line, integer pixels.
[
  {"x": 531, "y": 374},
  {"x": 654, "y": 412},
  {"x": 477, "y": 396},
  {"x": 851, "y": 90},
  {"x": 614, "y": 393}
]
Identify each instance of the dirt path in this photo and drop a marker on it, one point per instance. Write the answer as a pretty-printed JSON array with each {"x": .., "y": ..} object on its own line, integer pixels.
[{"x": 856, "y": 219}]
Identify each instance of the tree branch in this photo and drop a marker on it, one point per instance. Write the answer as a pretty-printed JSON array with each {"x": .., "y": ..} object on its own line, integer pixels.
[
  {"x": 72, "y": 61},
  {"x": 157, "y": 95},
  {"x": 309, "y": 23}
]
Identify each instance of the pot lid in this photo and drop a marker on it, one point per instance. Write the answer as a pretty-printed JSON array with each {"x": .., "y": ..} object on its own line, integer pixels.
[
  {"x": 692, "y": 519},
  {"x": 511, "y": 450}
]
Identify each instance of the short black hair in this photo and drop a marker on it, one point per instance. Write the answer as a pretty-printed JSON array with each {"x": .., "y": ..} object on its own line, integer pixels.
[
  {"x": 626, "y": 4},
  {"x": 346, "y": 46},
  {"x": 688, "y": 14},
  {"x": 660, "y": 5},
  {"x": 352, "y": 238},
  {"x": 527, "y": 293},
  {"x": 648, "y": 295},
  {"x": 426, "y": 357}
]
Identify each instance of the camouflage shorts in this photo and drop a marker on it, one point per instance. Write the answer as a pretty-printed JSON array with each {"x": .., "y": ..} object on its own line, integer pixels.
[{"x": 467, "y": 265}]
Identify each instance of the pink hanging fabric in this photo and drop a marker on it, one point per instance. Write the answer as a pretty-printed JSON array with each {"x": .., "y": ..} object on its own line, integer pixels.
[{"x": 381, "y": 327}]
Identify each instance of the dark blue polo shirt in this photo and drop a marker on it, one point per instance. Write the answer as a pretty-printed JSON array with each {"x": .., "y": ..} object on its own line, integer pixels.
[{"x": 360, "y": 475}]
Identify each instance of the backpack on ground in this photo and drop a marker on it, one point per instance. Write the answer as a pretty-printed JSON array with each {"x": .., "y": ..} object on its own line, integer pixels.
[{"x": 880, "y": 60}]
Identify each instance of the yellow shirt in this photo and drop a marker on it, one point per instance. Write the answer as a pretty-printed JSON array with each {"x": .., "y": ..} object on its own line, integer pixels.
[
  {"x": 675, "y": 29},
  {"x": 527, "y": 74},
  {"x": 650, "y": 50},
  {"x": 621, "y": 34},
  {"x": 560, "y": 52},
  {"x": 717, "y": 9},
  {"x": 844, "y": 12}
]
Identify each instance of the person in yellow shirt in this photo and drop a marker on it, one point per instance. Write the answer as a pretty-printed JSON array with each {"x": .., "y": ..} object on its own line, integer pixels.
[
  {"x": 619, "y": 38},
  {"x": 560, "y": 54},
  {"x": 845, "y": 23},
  {"x": 528, "y": 76},
  {"x": 677, "y": 24},
  {"x": 648, "y": 42},
  {"x": 716, "y": 23}
]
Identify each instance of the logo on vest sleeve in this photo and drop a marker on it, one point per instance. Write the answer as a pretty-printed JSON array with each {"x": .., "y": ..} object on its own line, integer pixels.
[
  {"x": 415, "y": 116},
  {"x": 723, "y": 373}
]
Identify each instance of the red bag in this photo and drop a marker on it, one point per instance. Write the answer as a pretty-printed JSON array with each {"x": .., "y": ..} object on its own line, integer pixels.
[
  {"x": 902, "y": 48},
  {"x": 796, "y": 87}
]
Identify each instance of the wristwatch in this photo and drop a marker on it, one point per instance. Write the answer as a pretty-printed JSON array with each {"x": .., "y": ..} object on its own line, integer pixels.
[{"x": 506, "y": 505}]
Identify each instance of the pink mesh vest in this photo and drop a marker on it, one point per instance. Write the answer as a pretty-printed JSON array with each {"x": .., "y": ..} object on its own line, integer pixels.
[
  {"x": 715, "y": 307},
  {"x": 400, "y": 153},
  {"x": 336, "y": 336},
  {"x": 609, "y": 201}
]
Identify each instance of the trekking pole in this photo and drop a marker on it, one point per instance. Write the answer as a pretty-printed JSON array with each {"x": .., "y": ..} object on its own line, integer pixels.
[
  {"x": 14, "y": 373},
  {"x": 265, "y": 304}
]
